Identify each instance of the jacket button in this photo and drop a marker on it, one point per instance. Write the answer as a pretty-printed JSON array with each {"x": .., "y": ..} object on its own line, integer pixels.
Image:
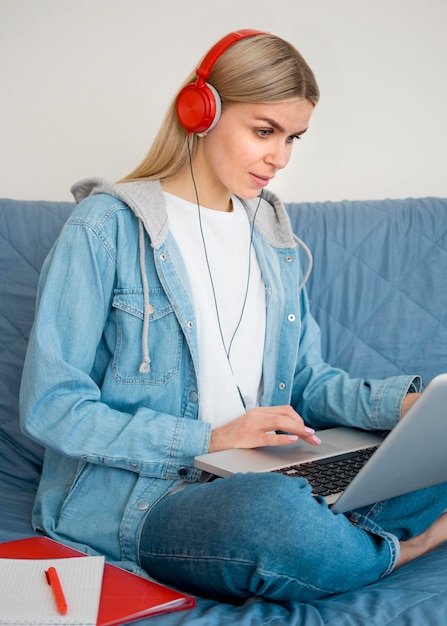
[
  {"x": 193, "y": 396},
  {"x": 291, "y": 317},
  {"x": 289, "y": 259},
  {"x": 282, "y": 386},
  {"x": 143, "y": 505},
  {"x": 190, "y": 325},
  {"x": 162, "y": 256},
  {"x": 182, "y": 471}
]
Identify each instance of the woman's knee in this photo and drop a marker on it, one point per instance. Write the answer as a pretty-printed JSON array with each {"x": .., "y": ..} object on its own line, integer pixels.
[{"x": 263, "y": 503}]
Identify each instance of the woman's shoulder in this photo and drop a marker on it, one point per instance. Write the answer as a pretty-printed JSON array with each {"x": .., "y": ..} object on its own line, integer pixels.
[
  {"x": 100, "y": 200},
  {"x": 98, "y": 208}
]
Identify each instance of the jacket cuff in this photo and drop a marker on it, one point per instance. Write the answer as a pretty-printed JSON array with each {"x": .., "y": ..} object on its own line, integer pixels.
[{"x": 389, "y": 398}]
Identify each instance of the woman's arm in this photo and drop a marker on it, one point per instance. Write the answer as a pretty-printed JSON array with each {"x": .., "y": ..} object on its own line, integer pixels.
[
  {"x": 62, "y": 403},
  {"x": 326, "y": 396}
]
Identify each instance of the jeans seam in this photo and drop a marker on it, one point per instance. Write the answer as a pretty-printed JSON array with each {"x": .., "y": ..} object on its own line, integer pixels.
[
  {"x": 369, "y": 526},
  {"x": 221, "y": 559}
]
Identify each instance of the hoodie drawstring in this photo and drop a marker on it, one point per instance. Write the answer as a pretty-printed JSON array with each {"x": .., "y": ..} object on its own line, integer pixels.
[
  {"x": 308, "y": 271},
  {"x": 145, "y": 364}
]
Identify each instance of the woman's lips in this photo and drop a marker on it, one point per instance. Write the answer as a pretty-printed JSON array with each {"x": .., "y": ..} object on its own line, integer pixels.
[{"x": 261, "y": 181}]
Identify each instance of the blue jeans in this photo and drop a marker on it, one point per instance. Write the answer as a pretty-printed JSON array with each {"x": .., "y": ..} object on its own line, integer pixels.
[{"x": 265, "y": 535}]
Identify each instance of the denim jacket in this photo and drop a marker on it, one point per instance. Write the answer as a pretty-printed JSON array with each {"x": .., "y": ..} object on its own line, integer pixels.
[{"x": 119, "y": 434}]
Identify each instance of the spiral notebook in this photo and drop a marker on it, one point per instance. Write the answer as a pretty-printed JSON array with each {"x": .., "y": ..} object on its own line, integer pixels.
[{"x": 123, "y": 597}]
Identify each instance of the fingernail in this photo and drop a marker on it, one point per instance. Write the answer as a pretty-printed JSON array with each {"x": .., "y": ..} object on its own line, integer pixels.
[
  {"x": 292, "y": 437},
  {"x": 309, "y": 431},
  {"x": 316, "y": 439}
]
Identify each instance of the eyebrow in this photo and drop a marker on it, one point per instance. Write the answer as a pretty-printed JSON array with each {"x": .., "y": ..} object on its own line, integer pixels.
[{"x": 277, "y": 126}]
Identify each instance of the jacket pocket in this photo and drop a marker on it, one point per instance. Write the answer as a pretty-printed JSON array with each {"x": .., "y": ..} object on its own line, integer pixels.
[
  {"x": 92, "y": 511},
  {"x": 164, "y": 338}
]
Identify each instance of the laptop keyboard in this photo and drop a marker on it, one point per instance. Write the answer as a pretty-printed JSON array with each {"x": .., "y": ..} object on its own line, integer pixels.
[{"x": 331, "y": 475}]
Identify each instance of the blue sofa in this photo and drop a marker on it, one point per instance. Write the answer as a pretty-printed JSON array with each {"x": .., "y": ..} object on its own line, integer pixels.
[{"x": 379, "y": 292}]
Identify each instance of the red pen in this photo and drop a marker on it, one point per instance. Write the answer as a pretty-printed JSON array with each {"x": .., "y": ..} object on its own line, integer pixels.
[{"x": 55, "y": 584}]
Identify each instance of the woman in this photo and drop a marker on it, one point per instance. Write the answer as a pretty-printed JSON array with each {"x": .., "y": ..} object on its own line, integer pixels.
[{"x": 170, "y": 323}]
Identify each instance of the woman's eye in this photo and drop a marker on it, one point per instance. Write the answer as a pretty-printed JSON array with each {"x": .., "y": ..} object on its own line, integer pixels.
[{"x": 264, "y": 132}]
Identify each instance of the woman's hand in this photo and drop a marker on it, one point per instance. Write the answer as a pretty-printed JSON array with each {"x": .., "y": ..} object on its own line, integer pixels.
[
  {"x": 408, "y": 402},
  {"x": 257, "y": 428}
]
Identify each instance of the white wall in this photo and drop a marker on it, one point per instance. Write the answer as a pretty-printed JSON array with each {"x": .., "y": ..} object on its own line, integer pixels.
[{"x": 84, "y": 85}]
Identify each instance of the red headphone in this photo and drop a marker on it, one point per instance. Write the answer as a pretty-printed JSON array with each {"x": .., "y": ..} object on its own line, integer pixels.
[{"x": 198, "y": 104}]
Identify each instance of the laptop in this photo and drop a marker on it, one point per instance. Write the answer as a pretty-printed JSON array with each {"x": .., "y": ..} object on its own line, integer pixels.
[{"x": 412, "y": 456}]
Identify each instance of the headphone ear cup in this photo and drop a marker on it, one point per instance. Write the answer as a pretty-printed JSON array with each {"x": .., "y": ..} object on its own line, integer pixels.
[{"x": 198, "y": 107}]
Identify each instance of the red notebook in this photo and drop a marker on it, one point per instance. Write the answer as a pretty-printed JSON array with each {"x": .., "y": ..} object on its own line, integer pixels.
[{"x": 125, "y": 597}]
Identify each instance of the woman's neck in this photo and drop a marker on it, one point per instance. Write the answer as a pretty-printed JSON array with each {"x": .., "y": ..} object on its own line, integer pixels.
[{"x": 198, "y": 191}]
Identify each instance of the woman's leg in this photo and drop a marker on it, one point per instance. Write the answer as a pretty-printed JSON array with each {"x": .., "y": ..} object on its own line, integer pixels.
[{"x": 261, "y": 535}]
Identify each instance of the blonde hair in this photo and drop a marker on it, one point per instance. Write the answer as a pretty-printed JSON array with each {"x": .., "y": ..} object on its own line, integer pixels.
[{"x": 260, "y": 69}]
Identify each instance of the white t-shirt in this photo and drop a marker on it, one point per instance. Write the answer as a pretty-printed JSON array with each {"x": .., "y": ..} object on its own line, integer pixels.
[{"x": 231, "y": 334}]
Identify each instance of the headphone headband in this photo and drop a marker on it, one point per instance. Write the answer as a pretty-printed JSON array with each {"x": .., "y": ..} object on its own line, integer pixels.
[
  {"x": 198, "y": 104},
  {"x": 219, "y": 48}
]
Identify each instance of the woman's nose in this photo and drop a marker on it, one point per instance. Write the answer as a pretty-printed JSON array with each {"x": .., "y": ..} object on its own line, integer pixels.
[{"x": 279, "y": 156}]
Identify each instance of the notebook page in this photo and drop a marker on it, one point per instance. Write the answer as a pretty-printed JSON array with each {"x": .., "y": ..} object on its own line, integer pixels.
[{"x": 27, "y": 598}]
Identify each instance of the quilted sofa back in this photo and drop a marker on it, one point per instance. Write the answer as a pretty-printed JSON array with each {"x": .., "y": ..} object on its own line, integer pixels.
[{"x": 378, "y": 289}]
